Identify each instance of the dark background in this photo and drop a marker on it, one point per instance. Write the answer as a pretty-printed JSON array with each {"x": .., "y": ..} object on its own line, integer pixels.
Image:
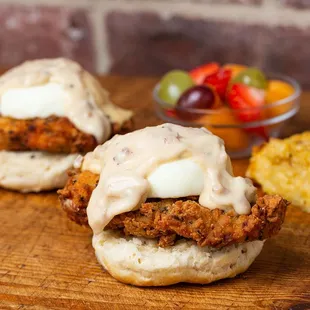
[{"x": 150, "y": 37}]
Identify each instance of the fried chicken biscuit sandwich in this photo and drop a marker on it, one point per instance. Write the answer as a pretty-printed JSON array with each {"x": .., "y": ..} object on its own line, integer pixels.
[
  {"x": 51, "y": 110},
  {"x": 165, "y": 207}
]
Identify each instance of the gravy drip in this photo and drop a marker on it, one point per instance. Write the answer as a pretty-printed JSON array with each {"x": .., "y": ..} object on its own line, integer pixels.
[
  {"x": 87, "y": 105},
  {"x": 125, "y": 161}
]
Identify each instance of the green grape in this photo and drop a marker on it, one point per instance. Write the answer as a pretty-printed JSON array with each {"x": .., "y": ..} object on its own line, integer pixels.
[
  {"x": 173, "y": 84},
  {"x": 252, "y": 77}
]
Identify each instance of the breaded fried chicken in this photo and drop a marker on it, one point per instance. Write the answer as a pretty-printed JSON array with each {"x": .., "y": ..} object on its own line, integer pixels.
[
  {"x": 53, "y": 135},
  {"x": 169, "y": 219},
  {"x": 76, "y": 194}
]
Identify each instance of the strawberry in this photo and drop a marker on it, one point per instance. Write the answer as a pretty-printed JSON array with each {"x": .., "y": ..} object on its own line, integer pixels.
[
  {"x": 248, "y": 101},
  {"x": 219, "y": 80},
  {"x": 200, "y": 73}
]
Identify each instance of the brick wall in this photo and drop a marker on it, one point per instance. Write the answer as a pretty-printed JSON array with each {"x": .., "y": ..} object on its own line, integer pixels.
[{"x": 149, "y": 37}]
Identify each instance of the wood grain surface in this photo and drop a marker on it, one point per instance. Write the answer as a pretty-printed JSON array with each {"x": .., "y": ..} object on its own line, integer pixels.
[{"x": 47, "y": 262}]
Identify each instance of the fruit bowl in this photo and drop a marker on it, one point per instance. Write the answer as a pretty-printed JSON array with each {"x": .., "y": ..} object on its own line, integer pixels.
[{"x": 239, "y": 137}]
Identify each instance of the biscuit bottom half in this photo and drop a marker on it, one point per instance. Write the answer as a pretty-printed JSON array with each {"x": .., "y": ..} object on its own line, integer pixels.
[{"x": 141, "y": 262}]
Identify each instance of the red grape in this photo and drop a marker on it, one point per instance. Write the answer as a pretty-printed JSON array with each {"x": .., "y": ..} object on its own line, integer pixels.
[{"x": 197, "y": 97}]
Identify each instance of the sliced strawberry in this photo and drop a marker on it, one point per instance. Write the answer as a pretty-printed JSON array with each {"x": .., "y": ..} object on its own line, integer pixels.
[
  {"x": 200, "y": 73},
  {"x": 259, "y": 131},
  {"x": 248, "y": 101},
  {"x": 219, "y": 80},
  {"x": 171, "y": 113}
]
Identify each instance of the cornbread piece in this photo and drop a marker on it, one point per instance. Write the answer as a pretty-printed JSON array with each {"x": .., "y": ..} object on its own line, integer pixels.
[
  {"x": 283, "y": 167},
  {"x": 169, "y": 219}
]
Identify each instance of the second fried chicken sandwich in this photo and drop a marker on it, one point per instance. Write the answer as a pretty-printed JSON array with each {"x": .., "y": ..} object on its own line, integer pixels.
[
  {"x": 51, "y": 110},
  {"x": 165, "y": 207}
]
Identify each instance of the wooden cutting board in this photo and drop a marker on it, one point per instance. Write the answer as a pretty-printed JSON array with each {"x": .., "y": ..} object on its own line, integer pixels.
[{"x": 47, "y": 262}]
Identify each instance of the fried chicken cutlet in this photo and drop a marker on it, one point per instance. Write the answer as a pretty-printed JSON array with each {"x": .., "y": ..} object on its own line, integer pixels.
[
  {"x": 170, "y": 219},
  {"x": 52, "y": 134}
]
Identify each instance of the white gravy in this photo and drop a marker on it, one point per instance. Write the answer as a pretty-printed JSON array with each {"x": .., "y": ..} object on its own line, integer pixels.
[
  {"x": 125, "y": 162},
  {"x": 86, "y": 103}
]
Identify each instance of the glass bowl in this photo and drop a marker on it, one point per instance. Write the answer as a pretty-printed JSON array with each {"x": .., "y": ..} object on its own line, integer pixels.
[{"x": 239, "y": 137}]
